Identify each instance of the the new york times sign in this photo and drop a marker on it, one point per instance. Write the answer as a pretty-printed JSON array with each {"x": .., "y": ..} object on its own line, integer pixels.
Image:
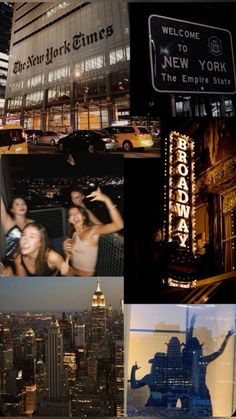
[
  {"x": 78, "y": 42},
  {"x": 190, "y": 57}
]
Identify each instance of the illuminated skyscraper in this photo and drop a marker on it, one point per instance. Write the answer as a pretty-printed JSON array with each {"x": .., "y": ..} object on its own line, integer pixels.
[
  {"x": 119, "y": 378},
  {"x": 98, "y": 315},
  {"x": 6, "y": 364},
  {"x": 79, "y": 335},
  {"x": 29, "y": 357},
  {"x": 77, "y": 71},
  {"x": 66, "y": 327},
  {"x": 4, "y": 334},
  {"x": 30, "y": 399},
  {"x": 54, "y": 361}
]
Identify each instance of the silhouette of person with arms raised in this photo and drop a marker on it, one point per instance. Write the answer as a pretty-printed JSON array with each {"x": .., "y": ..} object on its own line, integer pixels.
[
  {"x": 165, "y": 375},
  {"x": 153, "y": 380},
  {"x": 195, "y": 368}
]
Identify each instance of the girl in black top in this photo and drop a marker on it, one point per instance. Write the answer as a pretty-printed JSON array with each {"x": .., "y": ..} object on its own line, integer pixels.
[{"x": 13, "y": 222}]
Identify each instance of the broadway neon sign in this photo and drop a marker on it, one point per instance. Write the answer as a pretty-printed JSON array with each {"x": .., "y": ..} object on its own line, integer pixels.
[{"x": 181, "y": 202}]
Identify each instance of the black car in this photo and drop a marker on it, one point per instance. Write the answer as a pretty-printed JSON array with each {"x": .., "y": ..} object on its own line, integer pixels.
[{"x": 87, "y": 140}]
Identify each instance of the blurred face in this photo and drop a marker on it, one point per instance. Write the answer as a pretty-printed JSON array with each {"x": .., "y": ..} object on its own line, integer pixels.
[
  {"x": 30, "y": 240},
  {"x": 75, "y": 217},
  {"x": 77, "y": 198},
  {"x": 19, "y": 207}
]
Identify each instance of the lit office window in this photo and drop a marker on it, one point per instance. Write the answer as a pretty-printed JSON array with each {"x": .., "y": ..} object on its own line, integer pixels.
[
  {"x": 3, "y": 64},
  {"x": 35, "y": 80},
  {"x": 94, "y": 63},
  {"x": 3, "y": 81},
  {"x": 119, "y": 54},
  {"x": 59, "y": 92},
  {"x": 15, "y": 102},
  {"x": 90, "y": 64},
  {"x": 79, "y": 69},
  {"x": 59, "y": 73},
  {"x": 34, "y": 98},
  {"x": 55, "y": 9},
  {"x": 4, "y": 59}
]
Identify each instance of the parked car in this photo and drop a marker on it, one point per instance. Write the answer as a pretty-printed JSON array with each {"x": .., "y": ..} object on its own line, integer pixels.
[
  {"x": 32, "y": 133},
  {"x": 48, "y": 137},
  {"x": 131, "y": 136},
  {"x": 87, "y": 140}
]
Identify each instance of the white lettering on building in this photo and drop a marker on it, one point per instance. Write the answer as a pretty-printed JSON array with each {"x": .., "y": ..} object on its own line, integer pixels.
[{"x": 181, "y": 191}]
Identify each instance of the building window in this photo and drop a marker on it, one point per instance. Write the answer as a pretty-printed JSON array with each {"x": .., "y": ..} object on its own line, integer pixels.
[
  {"x": 59, "y": 73},
  {"x": 93, "y": 87},
  {"x": 119, "y": 54},
  {"x": 3, "y": 64},
  {"x": 90, "y": 64},
  {"x": 15, "y": 103},
  {"x": 56, "y": 8},
  {"x": 35, "y": 81},
  {"x": 230, "y": 239},
  {"x": 119, "y": 81},
  {"x": 34, "y": 98},
  {"x": 94, "y": 63},
  {"x": 59, "y": 92},
  {"x": 16, "y": 86}
]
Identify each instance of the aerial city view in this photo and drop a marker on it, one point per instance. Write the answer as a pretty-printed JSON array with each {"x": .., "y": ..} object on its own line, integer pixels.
[
  {"x": 62, "y": 363},
  {"x": 118, "y": 208}
]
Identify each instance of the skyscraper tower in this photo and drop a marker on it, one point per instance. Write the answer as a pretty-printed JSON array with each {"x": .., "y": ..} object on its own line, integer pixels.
[
  {"x": 4, "y": 334},
  {"x": 98, "y": 315},
  {"x": 79, "y": 335},
  {"x": 54, "y": 361},
  {"x": 29, "y": 357},
  {"x": 6, "y": 11},
  {"x": 119, "y": 365},
  {"x": 29, "y": 344}
]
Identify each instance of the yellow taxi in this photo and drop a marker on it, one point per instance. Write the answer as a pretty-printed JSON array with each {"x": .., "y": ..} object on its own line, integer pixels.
[
  {"x": 131, "y": 136},
  {"x": 12, "y": 140}
]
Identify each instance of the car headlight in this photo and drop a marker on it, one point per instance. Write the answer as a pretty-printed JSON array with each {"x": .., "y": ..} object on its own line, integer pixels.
[{"x": 106, "y": 140}]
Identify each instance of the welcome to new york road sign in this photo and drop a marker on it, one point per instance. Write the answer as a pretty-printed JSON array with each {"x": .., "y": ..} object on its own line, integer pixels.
[{"x": 188, "y": 57}]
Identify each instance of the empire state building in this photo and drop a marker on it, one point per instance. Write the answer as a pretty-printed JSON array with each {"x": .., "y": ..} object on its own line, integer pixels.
[{"x": 98, "y": 315}]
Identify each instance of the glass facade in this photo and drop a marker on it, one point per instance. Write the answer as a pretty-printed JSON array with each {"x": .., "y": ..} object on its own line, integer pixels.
[
  {"x": 86, "y": 69},
  {"x": 180, "y": 360}
]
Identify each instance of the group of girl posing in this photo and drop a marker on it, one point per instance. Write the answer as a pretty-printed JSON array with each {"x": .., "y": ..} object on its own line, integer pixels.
[{"x": 27, "y": 246}]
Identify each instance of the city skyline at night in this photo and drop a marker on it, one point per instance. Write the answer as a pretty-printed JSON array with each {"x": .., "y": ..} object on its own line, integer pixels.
[{"x": 64, "y": 363}]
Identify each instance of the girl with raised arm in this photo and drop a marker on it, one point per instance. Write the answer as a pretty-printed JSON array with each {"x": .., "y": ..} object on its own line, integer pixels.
[{"x": 82, "y": 249}]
